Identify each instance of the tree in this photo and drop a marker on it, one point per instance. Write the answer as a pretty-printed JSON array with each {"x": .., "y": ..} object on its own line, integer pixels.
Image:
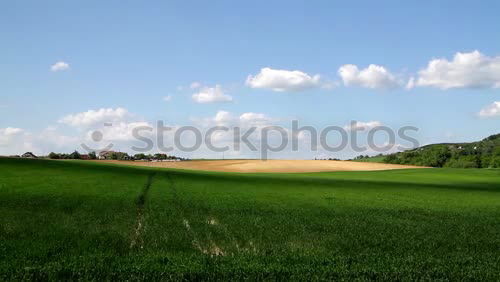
[
  {"x": 92, "y": 156},
  {"x": 54, "y": 156},
  {"x": 495, "y": 158},
  {"x": 123, "y": 156},
  {"x": 140, "y": 156},
  {"x": 75, "y": 155},
  {"x": 441, "y": 156},
  {"x": 119, "y": 156},
  {"x": 160, "y": 156},
  {"x": 391, "y": 159}
]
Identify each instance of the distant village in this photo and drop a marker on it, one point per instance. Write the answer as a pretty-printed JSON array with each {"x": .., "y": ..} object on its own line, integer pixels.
[{"x": 105, "y": 155}]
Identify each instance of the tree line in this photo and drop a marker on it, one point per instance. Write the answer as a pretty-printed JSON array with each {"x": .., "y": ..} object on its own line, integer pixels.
[{"x": 112, "y": 156}]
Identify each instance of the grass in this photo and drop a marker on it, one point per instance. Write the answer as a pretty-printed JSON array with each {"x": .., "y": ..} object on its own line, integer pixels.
[{"x": 81, "y": 220}]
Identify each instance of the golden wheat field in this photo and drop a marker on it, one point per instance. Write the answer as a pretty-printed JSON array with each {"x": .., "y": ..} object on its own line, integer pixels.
[{"x": 267, "y": 166}]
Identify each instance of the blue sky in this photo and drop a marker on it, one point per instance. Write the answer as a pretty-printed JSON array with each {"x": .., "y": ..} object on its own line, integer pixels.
[{"x": 132, "y": 54}]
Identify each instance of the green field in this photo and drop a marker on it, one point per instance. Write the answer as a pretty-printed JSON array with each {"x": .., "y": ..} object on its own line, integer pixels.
[{"x": 81, "y": 220}]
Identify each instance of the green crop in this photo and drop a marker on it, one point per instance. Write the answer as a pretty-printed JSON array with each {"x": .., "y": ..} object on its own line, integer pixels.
[{"x": 82, "y": 220}]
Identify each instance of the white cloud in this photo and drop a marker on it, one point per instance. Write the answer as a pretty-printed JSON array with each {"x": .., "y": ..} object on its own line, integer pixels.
[
  {"x": 195, "y": 85},
  {"x": 83, "y": 126},
  {"x": 114, "y": 125},
  {"x": 411, "y": 83},
  {"x": 11, "y": 137},
  {"x": 283, "y": 80},
  {"x": 374, "y": 77},
  {"x": 121, "y": 131},
  {"x": 59, "y": 66},
  {"x": 223, "y": 118},
  {"x": 492, "y": 110},
  {"x": 360, "y": 125},
  {"x": 14, "y": 141},
  {"x": 51, "y": 139},
  {"x": 94, "y": 117},
  {"x": 466, "y": 70},
  {"x": 246, "y": 122},
  {"x": 10, "y": 131},
  {"x": 255, "y": 119},
  {"x": 211, "y": 95},
  {"x": 167, "y": 98}
]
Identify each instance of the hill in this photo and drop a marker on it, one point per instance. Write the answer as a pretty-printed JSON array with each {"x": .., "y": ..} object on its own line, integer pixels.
[
  {"x": 80, "y": 220},
  {"x": 481, "y": 154}
]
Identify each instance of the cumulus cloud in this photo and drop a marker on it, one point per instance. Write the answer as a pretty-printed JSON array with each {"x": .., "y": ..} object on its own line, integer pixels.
[
  {"x": 466, "y": 70},
  {"x": 492, "y": 110},
  {"x": 93, "y": 117},
  {"x": 224, "y": 118},
  {"x": 56, "y": 140},
  {"x": 12, "y": 141},
  {"x": 167, "y": 98},
  {"x": 59, "y": 66},
  {"x": 15, "y": 141},
  {"x": 283, "y": 80},
  {"x": 115, "y": 126},
  {"x": 251, "y": 118},
  {"x": 246, "y": 122},
  {"x": 121, "y": 131},
  {"x": 10, "y": 131},
  {"x": 360, "y": 125},
  {"x": 211, "y": 95},
  {"x": 373, "y": 77},
  {"x": 10, "y": 136}
]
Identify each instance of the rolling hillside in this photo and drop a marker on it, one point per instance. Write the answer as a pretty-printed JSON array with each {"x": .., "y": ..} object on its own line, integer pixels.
[{"x": 481, "y": 154}]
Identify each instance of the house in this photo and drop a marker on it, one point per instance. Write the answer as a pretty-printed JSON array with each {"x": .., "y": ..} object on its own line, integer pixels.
[
  {"x": 29, "y": 155},
  {"x": 112, "y": 155},
  {"x": 84, "y": 157},
  {"x": 105, "y": 155}
]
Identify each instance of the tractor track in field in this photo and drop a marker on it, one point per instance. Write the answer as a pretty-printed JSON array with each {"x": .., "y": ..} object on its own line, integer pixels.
[
  {"x": 137, "y": 239},
  {"x": 210, "y": 247}
]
